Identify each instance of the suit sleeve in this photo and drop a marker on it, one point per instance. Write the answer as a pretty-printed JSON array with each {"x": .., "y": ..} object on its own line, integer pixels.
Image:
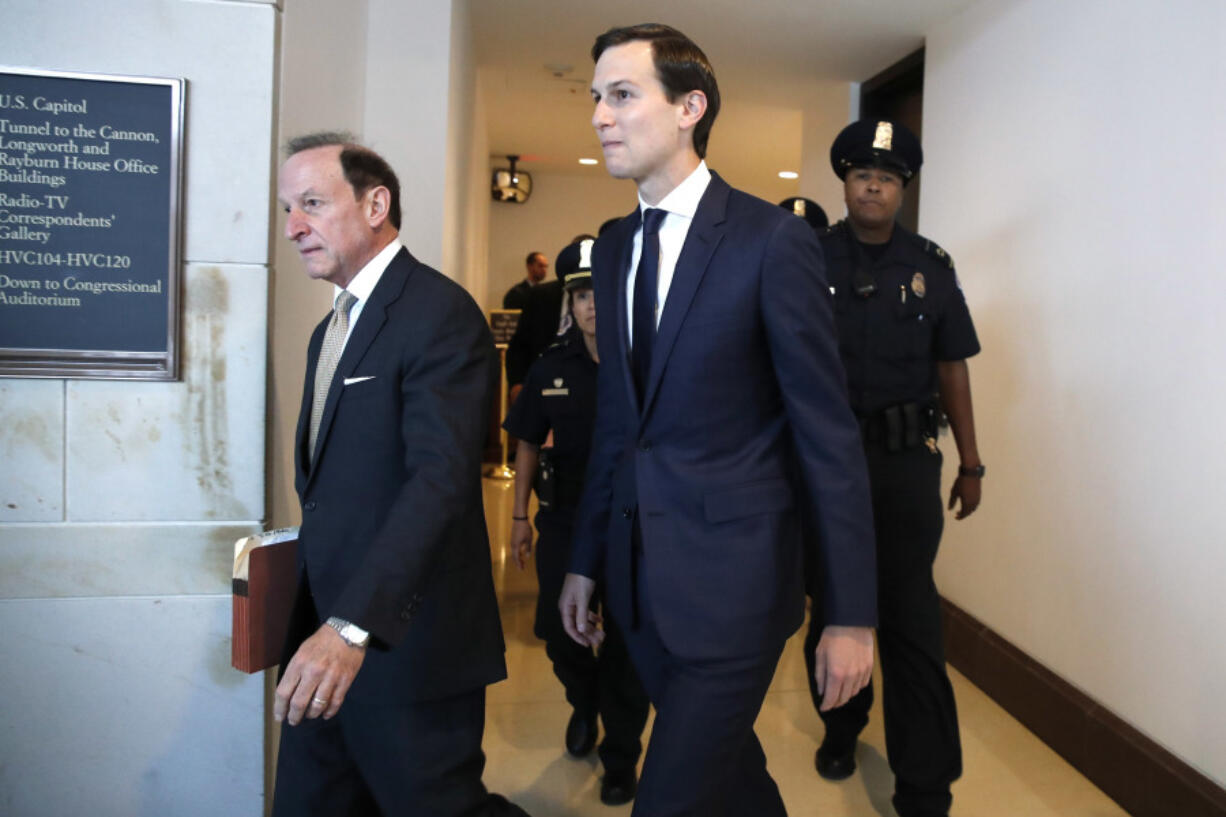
[
  {"x": 519, "y": 357},
  {"x": 608, "y": 435},
  {"x": 795, "y": 301},
  {"x": 449, "y": 371}
]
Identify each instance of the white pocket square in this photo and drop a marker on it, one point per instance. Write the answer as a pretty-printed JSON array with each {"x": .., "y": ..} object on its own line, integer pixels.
[{"x": 349, "y": 381}]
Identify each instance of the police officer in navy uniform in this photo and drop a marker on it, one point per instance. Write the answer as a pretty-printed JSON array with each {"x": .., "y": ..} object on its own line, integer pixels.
[
  {"x": 904, "y": 335},
  {"x": 559, "y": 398},
  {"x": 809, "y": 210}
]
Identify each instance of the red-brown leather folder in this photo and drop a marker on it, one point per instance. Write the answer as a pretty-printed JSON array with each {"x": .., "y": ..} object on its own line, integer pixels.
[{"x": 265, "y": 581}]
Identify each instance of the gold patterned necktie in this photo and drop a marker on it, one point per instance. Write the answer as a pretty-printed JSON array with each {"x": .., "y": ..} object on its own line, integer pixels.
[{"x": 329, "y": 356}]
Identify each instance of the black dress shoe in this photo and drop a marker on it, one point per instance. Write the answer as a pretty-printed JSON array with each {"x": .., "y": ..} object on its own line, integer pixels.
[
  {"x": 834, "y": 765},
  {"x": 618, "y": 788},
  {"x": 580, "y": 734}
]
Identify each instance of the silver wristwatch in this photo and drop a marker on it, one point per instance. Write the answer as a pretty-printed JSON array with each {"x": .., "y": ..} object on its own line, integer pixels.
[{"x": 354, "y": 635}]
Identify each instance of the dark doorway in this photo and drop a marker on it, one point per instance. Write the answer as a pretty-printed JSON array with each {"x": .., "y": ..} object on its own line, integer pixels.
[{"x": 897, "y": 93}]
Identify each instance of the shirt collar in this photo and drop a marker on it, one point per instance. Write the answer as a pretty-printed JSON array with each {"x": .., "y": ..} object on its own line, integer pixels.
[
  {"x": 368, "y": 276},
  {"x": 683, "y": 199}
]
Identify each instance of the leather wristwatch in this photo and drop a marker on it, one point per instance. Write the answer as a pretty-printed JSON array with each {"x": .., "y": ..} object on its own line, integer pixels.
[
  {"x": 978, "y": 471},
  {"x": 354, "y": 635}
]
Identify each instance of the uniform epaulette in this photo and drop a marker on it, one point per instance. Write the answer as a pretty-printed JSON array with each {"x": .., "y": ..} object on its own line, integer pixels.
[
  {"x": 557, "y": 346},
  {"x": 931, "y": 248},
  {"x": 837, "y": 228}
]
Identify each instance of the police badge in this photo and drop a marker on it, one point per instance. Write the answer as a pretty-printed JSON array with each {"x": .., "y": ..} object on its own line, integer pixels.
[
  {"x": 883, "y": 139},
  {"x": 918, "y": 286}
]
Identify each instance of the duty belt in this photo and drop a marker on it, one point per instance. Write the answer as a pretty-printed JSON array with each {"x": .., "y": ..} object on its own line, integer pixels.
[{"x": 900, "y": 426}]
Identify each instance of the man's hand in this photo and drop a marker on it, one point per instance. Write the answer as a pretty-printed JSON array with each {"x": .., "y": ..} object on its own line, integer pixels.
[
  {"x": 317, "y": 677},
  {"x": 844, "y": 664},
  {"x": 968, "y": 490},
  {"x": 521, "y": 542},
  {"x": 580, "y": 623}
]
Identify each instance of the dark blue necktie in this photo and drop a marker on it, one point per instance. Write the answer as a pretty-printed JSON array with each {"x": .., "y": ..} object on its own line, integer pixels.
[{"x": 646, "y": 286}]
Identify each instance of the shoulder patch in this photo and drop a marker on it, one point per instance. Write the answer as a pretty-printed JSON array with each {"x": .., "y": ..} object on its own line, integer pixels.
[{"x": 939, "y": 254}]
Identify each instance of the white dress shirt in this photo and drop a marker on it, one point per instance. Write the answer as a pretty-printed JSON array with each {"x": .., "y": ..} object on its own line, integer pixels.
[
  {"x": 680, "y": 206},
  {"x": 365, "y": 282}
]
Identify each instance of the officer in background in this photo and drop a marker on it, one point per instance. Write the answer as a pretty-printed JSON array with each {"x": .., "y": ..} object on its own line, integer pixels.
[
  {"x": 904, "y": 336},
  {"x": 809, "y": 210},
  {"x": 559, "y": 399},
  {"x": 536, "y": 329}
]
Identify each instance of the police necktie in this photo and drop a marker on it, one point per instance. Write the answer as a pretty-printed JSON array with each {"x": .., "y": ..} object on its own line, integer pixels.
[
  {"x": 329, "y": 356},
  {"x": 646, "y": 293}
]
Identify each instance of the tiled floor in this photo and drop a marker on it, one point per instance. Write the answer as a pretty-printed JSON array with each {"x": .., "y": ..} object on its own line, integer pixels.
[{"x": 1008, "y": 771}]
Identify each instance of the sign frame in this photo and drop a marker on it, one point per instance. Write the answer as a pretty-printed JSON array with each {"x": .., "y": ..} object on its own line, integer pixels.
[
  {"x": 121, "y": 364},
  {"x": 502, "y": 325}
]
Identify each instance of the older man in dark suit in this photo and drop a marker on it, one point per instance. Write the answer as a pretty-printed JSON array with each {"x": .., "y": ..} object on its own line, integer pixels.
[
  {"x": 395, "y": 631},
  {"x": 722, "y": 422}
]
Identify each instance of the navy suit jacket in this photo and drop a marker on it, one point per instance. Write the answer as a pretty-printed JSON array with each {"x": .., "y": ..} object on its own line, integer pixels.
[
  {"x": 742, "y": 440},
  {"x": 393, "y": 532}
]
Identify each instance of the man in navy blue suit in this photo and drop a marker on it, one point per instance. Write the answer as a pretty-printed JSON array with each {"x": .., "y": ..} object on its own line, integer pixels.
[{"x": 722, "y": 432}]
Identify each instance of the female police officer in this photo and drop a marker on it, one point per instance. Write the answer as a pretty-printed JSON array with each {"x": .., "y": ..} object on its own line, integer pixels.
[{"x": 559, "y": 400}]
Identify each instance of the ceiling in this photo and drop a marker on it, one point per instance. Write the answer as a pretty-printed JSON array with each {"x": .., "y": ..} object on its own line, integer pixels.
[{"x": 765, "y": 52}]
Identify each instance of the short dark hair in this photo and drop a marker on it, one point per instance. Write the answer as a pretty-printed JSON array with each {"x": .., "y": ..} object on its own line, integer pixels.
[
  {"x": 532, "y": 255},
  {"x": 363, "y": 168},
  {"x": 680, "y": 65}
]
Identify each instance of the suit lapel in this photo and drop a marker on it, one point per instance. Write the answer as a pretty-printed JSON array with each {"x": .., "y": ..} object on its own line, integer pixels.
[
  {"x": 363, "y": 334},
  {"x": 705, "y": 233},
  {"x": 302, "y": 466}
]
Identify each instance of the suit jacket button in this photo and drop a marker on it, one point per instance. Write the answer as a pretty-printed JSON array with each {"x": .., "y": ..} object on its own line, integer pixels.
[
  {"x": 644, "y": 445},
  {"x": 309, "y": 506},
  {"x": 627, "y": 513}
]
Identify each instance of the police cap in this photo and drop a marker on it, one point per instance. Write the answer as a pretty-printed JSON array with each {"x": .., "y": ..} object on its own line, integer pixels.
[
  {"x": 574, "y": 264},
  {"x": 807, "y": 209},
  {"x": 877, "y": 143}
]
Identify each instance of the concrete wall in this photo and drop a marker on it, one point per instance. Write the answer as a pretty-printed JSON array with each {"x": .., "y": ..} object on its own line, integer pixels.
[
  {"x": 1074, "y": 166},
  {"x": 120, "y": 501}
]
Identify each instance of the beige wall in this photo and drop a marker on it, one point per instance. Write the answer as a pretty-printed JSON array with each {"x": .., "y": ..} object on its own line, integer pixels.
[
  {"x": 322, "y": 87},
  {"x": 1074, "y": 167},
  {"x": 466, "y": 202},
  {"x": 829, "y": 106},
  {"x": 562, "y": 205}
]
